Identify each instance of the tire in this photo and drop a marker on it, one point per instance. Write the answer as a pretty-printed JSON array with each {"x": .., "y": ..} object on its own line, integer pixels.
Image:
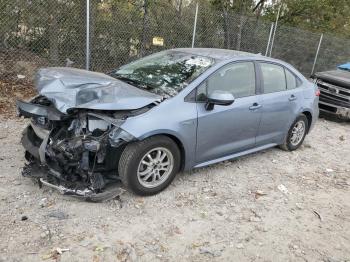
[
  {"x": 134, "y": 173},
  {"x": 288, "y": 145}
]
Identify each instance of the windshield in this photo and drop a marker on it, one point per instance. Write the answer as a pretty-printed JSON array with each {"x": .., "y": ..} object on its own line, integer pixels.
[{"x": 165, "y": 73}]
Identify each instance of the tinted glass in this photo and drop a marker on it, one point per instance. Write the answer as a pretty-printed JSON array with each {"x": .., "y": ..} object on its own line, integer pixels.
[
  {"x": 237, "y": 78},
  {"x": 273, "y": 78},
  {"x": 165, "y": 73},
  {"x": 291, "y": 80}
]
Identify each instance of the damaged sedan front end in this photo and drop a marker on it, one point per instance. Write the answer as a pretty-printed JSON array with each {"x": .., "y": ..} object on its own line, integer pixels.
[{"x": 73, "y": 142}]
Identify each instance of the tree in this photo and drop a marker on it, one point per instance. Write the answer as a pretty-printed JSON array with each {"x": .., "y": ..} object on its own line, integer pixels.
[{"x": 315, "y": 15}]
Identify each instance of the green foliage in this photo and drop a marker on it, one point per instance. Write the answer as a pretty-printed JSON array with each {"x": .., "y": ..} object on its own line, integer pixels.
[{"x": 315, "y": 15}]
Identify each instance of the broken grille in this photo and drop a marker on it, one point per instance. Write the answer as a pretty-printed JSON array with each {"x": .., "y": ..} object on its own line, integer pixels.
[{"x": 334, "y": 94}]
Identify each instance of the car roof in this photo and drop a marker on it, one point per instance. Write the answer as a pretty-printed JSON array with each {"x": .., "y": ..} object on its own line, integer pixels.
[{"x": 217, "y": 53}]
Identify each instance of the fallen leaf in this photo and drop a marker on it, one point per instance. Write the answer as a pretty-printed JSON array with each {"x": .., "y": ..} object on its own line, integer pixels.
[
  {"x": 259, "y": 193},
  {"x": 99, "y": 248}
]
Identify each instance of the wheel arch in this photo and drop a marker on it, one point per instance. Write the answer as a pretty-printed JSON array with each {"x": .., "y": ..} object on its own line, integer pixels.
[
  {"x": 309, "y": 118},
  {"x": 177, "y": 141}
]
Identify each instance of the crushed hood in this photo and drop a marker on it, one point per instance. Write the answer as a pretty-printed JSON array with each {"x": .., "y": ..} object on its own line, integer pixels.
[{"x": 76, "y": 88}]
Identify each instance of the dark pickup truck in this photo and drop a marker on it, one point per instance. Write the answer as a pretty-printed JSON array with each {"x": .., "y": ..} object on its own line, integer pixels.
[{"x": 335, "y": 92}]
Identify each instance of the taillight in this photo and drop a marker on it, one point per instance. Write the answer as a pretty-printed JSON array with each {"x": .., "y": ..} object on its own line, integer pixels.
[{"x": 318, "y": 92}]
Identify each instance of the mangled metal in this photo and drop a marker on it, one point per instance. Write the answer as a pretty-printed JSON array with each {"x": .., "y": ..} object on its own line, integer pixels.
[
  {"x": 72, "y": 145},
  {"x": 69, "y": 88}
]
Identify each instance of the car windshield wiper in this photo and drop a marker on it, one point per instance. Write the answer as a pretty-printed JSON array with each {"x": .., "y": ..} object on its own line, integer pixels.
[{"x": 132, "y": 81}]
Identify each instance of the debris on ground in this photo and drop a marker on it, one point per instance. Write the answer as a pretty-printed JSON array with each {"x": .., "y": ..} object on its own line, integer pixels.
[
  {"x": 214, "y": 253},
  {"x": 55, "y": 253},
  {"x": 283, "y": 189},
  {"x": 259, "y": 193},
  {"x": 239, "y": 246},
  {"x": 60, "y": 215},
  {"x": 317, "y": 214},
  {"x": 43, "y": 202},
  {"x": 99, "y": 248},
  {"x": 126, "y": 252}
]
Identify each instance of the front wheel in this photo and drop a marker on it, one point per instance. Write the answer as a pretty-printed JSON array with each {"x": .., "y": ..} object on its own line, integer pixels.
[
  {"x": 149, "y": 166},
  {"x": 296, "y": 134}
]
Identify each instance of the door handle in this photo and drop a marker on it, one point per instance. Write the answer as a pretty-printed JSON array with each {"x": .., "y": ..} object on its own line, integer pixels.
[
  {"x": 292, "y": 98},
  {"x": 255, "y": 106}
]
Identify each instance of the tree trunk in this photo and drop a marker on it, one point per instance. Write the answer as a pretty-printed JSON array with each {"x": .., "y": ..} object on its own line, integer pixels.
[
  {"x": 53, "y": 27},
  {"x": 226, "y": 29},
  {"x": 239, "y": 34},
  {"x": 53, "y": 37},
  {"x": 144, "y": 28}
]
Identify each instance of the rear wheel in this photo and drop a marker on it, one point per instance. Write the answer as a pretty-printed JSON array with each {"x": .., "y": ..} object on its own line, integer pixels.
[
  {"x": 149, "y": 166},
  {"x": 296, "y": 134}
]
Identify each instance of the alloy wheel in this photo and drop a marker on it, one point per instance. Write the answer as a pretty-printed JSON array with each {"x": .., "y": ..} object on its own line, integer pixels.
[
  {"x": 155, "y": 167},
  {"x": 298, "y": 132}
]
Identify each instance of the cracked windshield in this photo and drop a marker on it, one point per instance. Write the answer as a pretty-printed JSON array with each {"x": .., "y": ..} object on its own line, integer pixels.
[{"x": 165, "y": 73}]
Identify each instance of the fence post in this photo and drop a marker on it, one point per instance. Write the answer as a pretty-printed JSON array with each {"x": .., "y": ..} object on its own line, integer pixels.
[
  {"x": 268, "y": 42},
  {"x": 195, "y": 25},
  {"x": 318, "y": 50},
  {"x": 274, "y": 30},
  {"x": 87, "y": 52}
]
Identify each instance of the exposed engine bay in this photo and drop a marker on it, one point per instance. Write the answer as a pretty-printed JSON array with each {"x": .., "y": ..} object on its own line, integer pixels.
[{"x": 75, "y": 153}]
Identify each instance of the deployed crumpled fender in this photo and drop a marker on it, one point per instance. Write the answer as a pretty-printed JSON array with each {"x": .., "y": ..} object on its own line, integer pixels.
[{"x": 71, "y": 88}]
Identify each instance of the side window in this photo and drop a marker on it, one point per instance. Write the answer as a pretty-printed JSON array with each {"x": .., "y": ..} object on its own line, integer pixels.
[
  {"x": 291, "y": 80},
  {"x": 202, "y": 92},
  {"x": 237, "y": 78},
  {"x": 273, "y": 77}
]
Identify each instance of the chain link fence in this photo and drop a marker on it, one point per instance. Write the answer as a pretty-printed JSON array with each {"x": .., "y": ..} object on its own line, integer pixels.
[
  {"x": 295, "y": 46},
  {"x": 231, "y": 31},
  {"x": 40, "y": 33},
  {"x": 333, "y": 51}
]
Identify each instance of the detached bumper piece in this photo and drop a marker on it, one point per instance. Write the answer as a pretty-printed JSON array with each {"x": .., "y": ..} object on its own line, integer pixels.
[
  {"x": 87, "y": 194},
  {"x": 47, "y": 177}
]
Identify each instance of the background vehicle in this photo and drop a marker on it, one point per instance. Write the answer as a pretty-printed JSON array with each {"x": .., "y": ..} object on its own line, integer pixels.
[
  {"x": 335, "y": 91},
  {"x": 174, "y": 110}
]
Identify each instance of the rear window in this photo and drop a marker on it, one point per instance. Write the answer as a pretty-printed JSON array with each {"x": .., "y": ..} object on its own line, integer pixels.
[{"x": 292, "y": 80}]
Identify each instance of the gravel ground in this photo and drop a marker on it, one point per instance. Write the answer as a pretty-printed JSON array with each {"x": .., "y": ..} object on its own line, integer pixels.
[{"x": 269, "y": 206}]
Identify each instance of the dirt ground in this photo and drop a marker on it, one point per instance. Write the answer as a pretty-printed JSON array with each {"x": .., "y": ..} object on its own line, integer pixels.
[{"x": 269, "y": 206}]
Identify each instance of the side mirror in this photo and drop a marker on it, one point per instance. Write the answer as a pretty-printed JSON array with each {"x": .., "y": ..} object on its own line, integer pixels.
[{"x": 218, "y": 97}]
